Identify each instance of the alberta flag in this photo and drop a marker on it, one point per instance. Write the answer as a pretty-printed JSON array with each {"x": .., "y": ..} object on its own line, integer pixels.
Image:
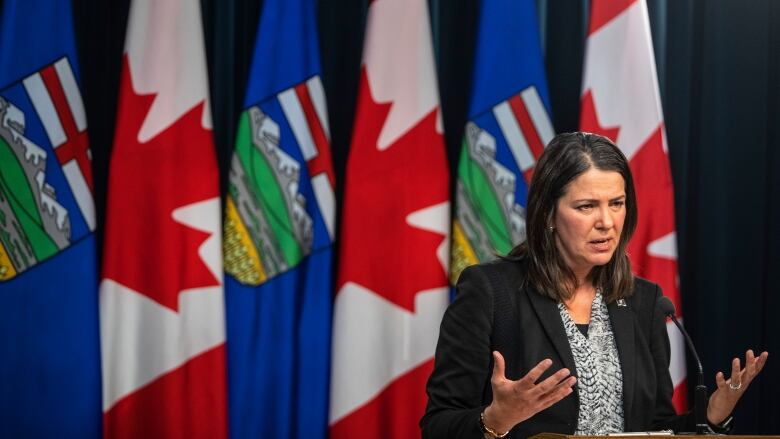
[
  {"x": 50, "y": 367},
  {"x": 508, "y": 127},
  {"x": 278, "y": 236}
]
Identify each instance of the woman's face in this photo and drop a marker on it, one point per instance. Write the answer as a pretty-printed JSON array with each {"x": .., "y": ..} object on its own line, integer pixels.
[{"x": 589, "y": 219}]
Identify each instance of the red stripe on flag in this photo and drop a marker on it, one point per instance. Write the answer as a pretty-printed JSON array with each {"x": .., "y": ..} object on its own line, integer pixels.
[
  {"x": 322, "y": 162},
  {"x": 394, "y": 414},
  {"x": 527, "y": 126},
  {"x": 680, "y": 397},
  {"x": 528, "y": 175},
  {"x": 77, "y": 143},
  {"x": 179, "y": 404},
  {"x": 655, "y": 199},
  {"x": 604, "y": 11}
]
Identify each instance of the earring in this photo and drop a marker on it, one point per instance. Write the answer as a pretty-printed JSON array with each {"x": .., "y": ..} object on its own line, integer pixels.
[{"x": 551, "y": 228}]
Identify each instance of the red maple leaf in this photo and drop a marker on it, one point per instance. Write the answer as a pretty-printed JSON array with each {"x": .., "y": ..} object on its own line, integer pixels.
[
  {"x": 380, "y": 250},
  {"x": 145, "y": 248}
]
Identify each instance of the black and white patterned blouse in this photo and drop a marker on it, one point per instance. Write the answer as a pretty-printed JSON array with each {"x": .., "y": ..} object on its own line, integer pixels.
[{"x": 599, "y": 379}]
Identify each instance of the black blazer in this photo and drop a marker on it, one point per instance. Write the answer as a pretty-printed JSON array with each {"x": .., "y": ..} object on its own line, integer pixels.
[{"x": 492, "y": 312}]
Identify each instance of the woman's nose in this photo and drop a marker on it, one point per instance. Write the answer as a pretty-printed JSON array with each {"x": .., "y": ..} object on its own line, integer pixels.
[{"x": 605, "y": 220}]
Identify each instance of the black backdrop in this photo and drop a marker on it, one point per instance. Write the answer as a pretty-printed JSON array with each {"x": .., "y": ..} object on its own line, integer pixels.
[{"x": 719, "y": 70}]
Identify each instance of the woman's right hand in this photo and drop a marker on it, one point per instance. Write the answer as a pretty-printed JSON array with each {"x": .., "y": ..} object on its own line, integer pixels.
[{"x": 516, "y": 401}]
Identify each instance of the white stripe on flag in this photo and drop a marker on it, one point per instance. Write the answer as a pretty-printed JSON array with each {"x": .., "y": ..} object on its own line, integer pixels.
[
  {"x": 317, "y": 94},
  {"x": 72, "y": 94},
  {"x": 538, "y": 113},
  {"x": 514, "y": 137},
  {"x": 326, "y": 201},
  {"x": 677, "y": 345},
  {"x": 294, "y": 113},
  {"x": 368, "y": 326},
  {"x": 80, "y": 191},
  {"x": 45, "y": 107}
]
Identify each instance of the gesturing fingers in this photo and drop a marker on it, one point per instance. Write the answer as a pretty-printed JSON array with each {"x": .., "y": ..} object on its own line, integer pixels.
[
  {"x": 499, "y": 374},
  {"x": 761, "y": 361},
  {"x": 560, "y": 391},
  {"x": 516, "y": 401},
  {"x": 750, "y": 362},
  {"x": 742, "y": 376},
  {"x": 730, "y": 390},
  {"x": 537, "y": 397},
  {"x": 736, "y": 375},
  {"x": 533, "y": 375},
  {"x": 551, "y": 382},
  {"x": 753, "y": 364},
  {"x": 720, "y": 381}
]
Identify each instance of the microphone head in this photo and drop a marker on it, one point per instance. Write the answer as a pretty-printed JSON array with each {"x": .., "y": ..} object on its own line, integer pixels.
[{"x": 667, "y": 307}]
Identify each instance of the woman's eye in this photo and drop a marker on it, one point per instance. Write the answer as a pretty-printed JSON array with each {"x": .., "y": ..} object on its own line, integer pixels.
[
  {"x": 618, "y": 204},
  {"x": 584, "y": 207}
]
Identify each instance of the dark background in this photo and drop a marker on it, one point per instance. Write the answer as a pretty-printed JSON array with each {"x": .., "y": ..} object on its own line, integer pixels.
[{"x": 719, "y": 71}]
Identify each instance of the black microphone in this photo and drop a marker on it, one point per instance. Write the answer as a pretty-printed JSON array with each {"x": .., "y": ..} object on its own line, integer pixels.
[{"x": 700, "y": 401}]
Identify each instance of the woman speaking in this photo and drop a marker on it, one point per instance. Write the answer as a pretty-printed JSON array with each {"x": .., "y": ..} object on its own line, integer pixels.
[{"x": 560, "y": 336}]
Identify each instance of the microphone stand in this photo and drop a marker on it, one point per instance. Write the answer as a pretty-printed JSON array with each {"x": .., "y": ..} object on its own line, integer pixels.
[{"x": 700, "y": 395}]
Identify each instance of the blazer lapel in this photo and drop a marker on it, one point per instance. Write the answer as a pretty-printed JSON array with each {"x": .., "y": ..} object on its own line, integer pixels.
[
  {"x": 547, "y": 311},
  {"x": 622, "y": 319}
]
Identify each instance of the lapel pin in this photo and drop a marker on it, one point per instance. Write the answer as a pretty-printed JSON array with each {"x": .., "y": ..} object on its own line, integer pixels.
[{"x": 621, "y": 302}]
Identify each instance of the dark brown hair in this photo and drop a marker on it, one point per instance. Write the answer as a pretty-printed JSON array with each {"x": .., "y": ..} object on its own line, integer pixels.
[{"x": 565, "y": 158}]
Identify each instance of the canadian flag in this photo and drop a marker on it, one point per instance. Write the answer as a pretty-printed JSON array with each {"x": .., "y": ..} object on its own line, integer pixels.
[
  {"x": 162, "y": 323},
  {"x": 620, "y": 100},
  {"x": 392, "y": 282}
]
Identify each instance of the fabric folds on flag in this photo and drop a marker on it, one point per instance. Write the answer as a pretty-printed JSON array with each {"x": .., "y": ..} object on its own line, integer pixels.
[
  {"x": 508, "y": 127},
  {"x": 162, "y": 323},
  {"x": 392, "y": 281},
  {"x": 50, "y": 368},
  {"x": 621, "y": 100},
  {"x": 278, "y": 236}
]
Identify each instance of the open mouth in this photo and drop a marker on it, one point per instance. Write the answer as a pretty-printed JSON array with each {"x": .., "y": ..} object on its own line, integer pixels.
[{"x": 601, "y": 244}]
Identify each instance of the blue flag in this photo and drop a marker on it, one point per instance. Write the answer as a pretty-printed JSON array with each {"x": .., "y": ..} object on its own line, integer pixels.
[
  {"x": 49, "y": 345},
  {"x": 279, "y": 231},
  {"x": 508, "y": 127}
]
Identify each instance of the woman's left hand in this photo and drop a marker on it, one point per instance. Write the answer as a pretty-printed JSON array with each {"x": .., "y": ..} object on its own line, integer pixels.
[{"x": 723, "y": 400}]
